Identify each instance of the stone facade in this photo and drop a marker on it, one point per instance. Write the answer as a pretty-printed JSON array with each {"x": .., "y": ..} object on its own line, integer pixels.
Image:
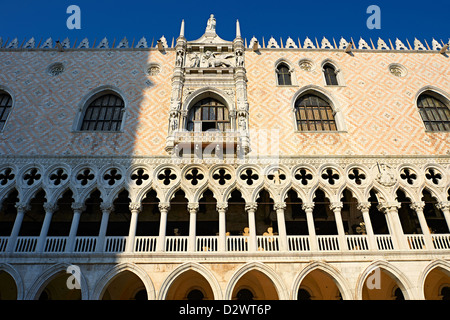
[{"x": 278, "y": 215}]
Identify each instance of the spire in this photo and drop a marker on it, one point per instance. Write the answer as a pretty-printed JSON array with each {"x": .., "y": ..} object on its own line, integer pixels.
[
  {"x": 182, "y": 29},
  {"x": 238, "y": 29}
]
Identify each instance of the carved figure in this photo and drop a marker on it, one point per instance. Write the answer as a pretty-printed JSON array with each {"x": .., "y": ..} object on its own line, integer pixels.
[
  {"x": 195, "y": 61},
  {"x": 215, "y": 62},
  {"x": 385, "y": 176},
  {"x": 173, "y": 123},
  {"x": 179, "y": 61},
  {"x": 211, "y": 24}
]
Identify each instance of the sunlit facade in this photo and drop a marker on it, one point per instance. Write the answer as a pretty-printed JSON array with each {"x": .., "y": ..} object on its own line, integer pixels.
[{"x": 224, "y": 170}]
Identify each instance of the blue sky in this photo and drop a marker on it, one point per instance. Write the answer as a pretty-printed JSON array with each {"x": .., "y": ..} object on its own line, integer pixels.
[{"x": 136, "y": 18}]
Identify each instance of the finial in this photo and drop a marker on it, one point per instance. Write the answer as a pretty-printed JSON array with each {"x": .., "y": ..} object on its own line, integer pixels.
[
  {"x": 182, "y": 29},
  {"x": 238, "y": 29}
]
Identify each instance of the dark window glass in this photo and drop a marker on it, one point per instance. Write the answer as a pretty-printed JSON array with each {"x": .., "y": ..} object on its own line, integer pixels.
[
  {"x": 330, "y": 75},
  {"x": 104, "y": 114},
  {"x": 208, "y": 114},
  {"x": 5, "y": 108},
  {"x": 314, "y": 114},
  {"x": 284, "y": 75},
  {"x": 435, "y": 114}
]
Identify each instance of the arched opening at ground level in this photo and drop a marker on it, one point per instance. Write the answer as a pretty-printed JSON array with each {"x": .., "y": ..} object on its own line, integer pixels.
[
  {"x": 318, "y": 285},
  {"x": 437, "y": 285},
  {"x": 190, "y": 285},
  {"x": 382, "y": 285},
  {"x": 254, "y": 285},
  {"x": 60, "y": 287},
  {"x": 125, "y": 286},
  {"x": 8, "y": 288}
]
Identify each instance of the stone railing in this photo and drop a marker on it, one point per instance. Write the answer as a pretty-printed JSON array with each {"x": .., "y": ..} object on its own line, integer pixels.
[{"x": 235, "y": 244}]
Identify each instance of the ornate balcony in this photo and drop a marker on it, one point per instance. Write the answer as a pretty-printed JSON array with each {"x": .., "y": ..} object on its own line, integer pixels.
[{"x": 234, "y": 244}]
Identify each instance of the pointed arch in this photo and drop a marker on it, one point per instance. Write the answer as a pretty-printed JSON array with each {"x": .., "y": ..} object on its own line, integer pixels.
[
  {"x": 207, "y": 93},
  {"x": 15, "y": 275},
  {"x": 92, "y": 96},
  {"x": 285, "y": 73},
  {"x": 332, "y": 73},
  {"x": 337, "y": 277},
  {"x": 435, "y": 264},
  {"x": 396, "y": 274},
  {"x": 115, "y": 271},
  {"x": 48, "y": 275},
  {"x": 265, "y": 270},
  {"x": 7, "y": 102},
  {"x": 191, "y": 266},
  {"x": 328, "y": 101}
]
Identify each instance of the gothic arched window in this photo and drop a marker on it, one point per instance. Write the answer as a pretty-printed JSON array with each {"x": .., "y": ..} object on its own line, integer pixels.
[
  {"x": 314, "y": 114},
  {"x": 434, "y": 112},
  {"x": 330, "y": 74},
  {"x": 284, "y": 75},
  {"x": 208, "y": 114},
  {"x": 5, "y": 108},
  {"x": 105, "y": 113}
]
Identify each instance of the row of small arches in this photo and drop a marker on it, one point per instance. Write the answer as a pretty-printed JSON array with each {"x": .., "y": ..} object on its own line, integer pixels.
[
  {"x": 252, "y": 281},
  {"x": 195, "y": 176}
]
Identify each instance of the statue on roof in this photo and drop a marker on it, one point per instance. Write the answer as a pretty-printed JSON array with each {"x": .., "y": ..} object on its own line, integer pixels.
[{"x": 211, "y": 24}]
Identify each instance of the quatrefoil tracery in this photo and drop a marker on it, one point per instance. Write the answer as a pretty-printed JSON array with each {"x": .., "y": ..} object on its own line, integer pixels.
[
  {"x": 249, "y": 176},
  {"x": 166, "y": 176},
  {"x": 194, "y": 176},
  {"x": 357, "y": 176},
  {"x": 304, "y": 176},
  {"x": 58, "y": 177},
  {"x": 139, "y": 176},
  {"x": 222, "y": 176},
  {"x": 433, "y": 175},
  {"x": 112, "y": 176},
  {"x": 6, "y": 176},
  {"x": 408, "y": 175},
  {"x": 85, "y": 176},
  {"x": 32, "y": 176},
  {"x": 330, "y": 175}
]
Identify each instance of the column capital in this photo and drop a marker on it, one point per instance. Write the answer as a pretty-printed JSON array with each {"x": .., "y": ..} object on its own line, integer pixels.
[
  {"x": 107, "y": 207},
  {"x": 388, "y": 206},
  {"x": 308, "y": 206},
  {"x": 78, "y": 206},
  {"x": 251, "y": 206},
  {"x": 362, "y": 206},
  {"x": 193, "y": 207},
  {"x": 417, "y": 205},
  {"x": 279, "y": 206},
  {"x": 50, "y": 207},
  {"x": 164, "y": 206},
  {"x": 222, "y": 206},
  {"x": 336, "y": 206},
  {"x": 135, "y": 206},
  {"x": 443, "y": 205},
  {"x": 23, "y": 207}
]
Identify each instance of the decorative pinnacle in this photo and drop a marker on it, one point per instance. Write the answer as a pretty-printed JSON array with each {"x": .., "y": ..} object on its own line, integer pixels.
[
  {"x": 238, "y": 29},
  {"x": 182, "y": 29}
]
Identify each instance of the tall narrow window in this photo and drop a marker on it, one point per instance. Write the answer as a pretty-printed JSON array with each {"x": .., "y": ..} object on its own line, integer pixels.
[
  {"x": 5, "y": 108},
  {"x": 434, "y": 112},
  {"x": 330, "y": 75},
  {"x": 208, "y": 114},
  {"x": 104, "y": 114},
  {"x": 314, "y": 114},
  {"x": 284, "y": 75}
]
